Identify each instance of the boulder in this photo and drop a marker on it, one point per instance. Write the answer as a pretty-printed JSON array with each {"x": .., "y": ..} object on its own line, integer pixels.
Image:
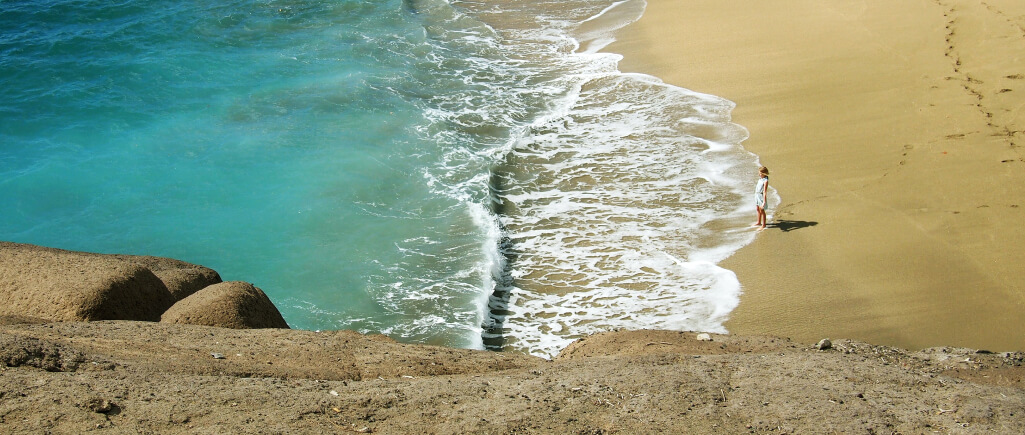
[
  {"x": 59, "y": 285},
  {"x": 232, "y": 304},
  {"x": 182, "y": 283},
  {"x": 181, "y": 279}
]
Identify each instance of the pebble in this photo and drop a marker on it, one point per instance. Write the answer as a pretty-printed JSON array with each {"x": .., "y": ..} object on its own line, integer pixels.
[{"x": 704, "y": 337}]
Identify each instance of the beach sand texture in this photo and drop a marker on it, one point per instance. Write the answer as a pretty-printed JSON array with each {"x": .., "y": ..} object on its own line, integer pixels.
[{"x": 893, "y": 131}]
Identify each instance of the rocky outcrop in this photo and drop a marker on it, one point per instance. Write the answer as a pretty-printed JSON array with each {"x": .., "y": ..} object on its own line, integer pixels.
[
  {"x": 48, "y": 284},
  {"x": 181, "y": 279},
  {"x": 234, "y": 304},
  {"x": 55, "y": 284}
]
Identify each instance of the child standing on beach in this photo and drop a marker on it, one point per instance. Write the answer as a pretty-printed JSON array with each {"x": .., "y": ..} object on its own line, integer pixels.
[{"x": 761, "y": 194}]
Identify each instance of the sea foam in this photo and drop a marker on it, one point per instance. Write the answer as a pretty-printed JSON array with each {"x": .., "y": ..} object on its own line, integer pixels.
[{"x": 618, "y": 198}]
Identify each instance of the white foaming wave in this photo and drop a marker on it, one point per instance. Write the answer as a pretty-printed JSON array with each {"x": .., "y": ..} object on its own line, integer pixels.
[
  {"x": 465, "y": 88},
  {"x": 702, "y": 297},
  {"x": 598, "y": 31},
  {"x": 612, "y": 199},
  {"x": 617, "y": 207},
  {"x": 491, "y": 266}
]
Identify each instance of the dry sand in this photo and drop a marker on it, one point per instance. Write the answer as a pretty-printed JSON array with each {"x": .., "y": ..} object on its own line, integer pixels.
[{"x": 893, "y": 131}]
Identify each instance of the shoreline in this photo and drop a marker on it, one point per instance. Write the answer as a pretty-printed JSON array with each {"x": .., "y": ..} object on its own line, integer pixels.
[{"x": 891, "y": 132}]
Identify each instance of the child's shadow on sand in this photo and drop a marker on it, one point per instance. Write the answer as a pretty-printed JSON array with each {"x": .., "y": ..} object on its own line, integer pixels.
[{"x": 789, "y": 225}]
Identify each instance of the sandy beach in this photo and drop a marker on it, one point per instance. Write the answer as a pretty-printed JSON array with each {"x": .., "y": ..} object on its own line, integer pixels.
[{"x": 893, "y": 131}]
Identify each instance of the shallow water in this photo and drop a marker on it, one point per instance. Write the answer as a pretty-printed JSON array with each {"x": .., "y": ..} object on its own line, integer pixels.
[{"x": 466, "y": 174}]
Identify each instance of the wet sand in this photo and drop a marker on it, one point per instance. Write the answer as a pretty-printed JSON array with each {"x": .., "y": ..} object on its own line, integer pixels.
[{"x": 894, "y": 133}]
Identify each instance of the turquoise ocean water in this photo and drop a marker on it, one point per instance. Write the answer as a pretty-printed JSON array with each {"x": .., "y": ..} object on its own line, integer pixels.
[{"x": 471, "y": 174}]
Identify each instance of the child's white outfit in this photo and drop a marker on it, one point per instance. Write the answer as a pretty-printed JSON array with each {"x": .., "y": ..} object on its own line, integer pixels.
[{"x": 760, "y": 191}]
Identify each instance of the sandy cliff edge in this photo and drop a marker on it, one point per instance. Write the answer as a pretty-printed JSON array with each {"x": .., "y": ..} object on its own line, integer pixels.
[{"x": 123, "y": 376}]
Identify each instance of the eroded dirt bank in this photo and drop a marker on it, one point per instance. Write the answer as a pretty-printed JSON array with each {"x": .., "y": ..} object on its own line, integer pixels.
[{"x": 122, "y": 376}]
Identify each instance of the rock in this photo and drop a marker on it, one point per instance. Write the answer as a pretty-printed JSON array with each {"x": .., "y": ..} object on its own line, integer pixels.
[
  {"x": 216, "y": 355},
  {"x": 59, "y": 285},
  {"x": 181, "y": 279},
  {"x": 232, "y": 304},
  {"x": 704, "y": 337},
  {"x": 824, "y": 344},
  {"x": 182, "y": 283},
  {"x": 99, "y": 405}
]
